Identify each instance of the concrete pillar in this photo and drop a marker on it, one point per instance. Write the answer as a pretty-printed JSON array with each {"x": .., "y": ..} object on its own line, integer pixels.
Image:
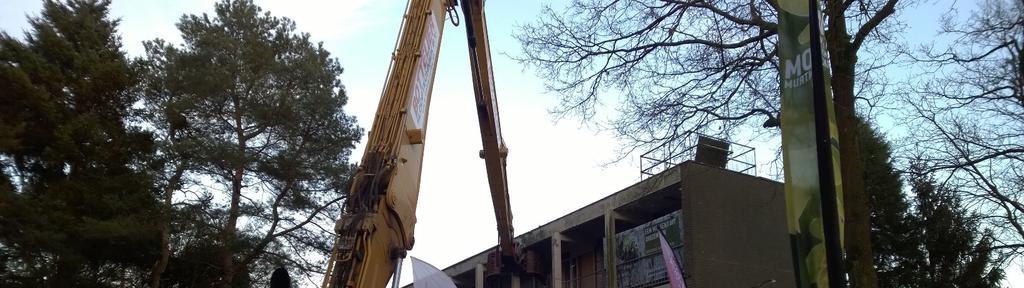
[
  {"x": 556, "y": 260},
  {"x": 479, "y": 271},
  {"x": 609, "y": 249}
]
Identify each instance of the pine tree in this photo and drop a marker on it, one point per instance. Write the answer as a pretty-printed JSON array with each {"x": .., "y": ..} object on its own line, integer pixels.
[
  {"x": 76, "y": 200},
  {"x": 254, "y": 109}
]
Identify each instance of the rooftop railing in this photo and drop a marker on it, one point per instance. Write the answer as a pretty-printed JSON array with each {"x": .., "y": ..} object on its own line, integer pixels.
[{"x": 737, "y": 157}]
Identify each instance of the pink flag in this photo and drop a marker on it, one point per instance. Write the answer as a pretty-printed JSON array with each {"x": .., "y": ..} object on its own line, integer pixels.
[{"x": 675, "y": 277}]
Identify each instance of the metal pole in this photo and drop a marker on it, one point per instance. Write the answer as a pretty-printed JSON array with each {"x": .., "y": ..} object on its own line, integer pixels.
[
  {"x": 398, "y": 272},
  {"x": 826, "y": 174}
]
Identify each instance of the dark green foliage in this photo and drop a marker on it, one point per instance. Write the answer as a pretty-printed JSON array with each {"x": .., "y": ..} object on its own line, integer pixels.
[
  {"x": 932, "y": 242},
  {"x": 246, "y": 103},
  {"x": 895, "y": 233},
  {"x": 76, "y": 204},
  {"x": 957, "y": 254},
  {"x": 195, "y": 262},
  {"x": 256, "y": 108}
]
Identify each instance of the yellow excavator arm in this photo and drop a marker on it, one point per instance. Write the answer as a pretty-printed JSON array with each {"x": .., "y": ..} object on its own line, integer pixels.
[
  {"x": 376, "y": 228},
  {"x": 494, "y": 150}
]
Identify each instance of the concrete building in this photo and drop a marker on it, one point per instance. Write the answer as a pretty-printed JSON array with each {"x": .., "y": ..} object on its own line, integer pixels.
[{"x": 728, "y": 229}]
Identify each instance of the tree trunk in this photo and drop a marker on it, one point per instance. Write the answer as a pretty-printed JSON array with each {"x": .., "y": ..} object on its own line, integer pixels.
[
  {"x": 165, "y": 230},
  {"x": 228, "y": 238},
  {"x": 858, "y": 221},
  {"x": 859, "y": 257}
]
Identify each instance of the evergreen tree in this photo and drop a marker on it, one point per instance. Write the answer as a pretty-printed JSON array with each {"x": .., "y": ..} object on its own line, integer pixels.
[
  {"x": 937, "y": 244},
  {"x": 895, "y": 232},
  {"x": 956, "y": 255},
  {"x": 254, "y": 109},
  {"x": 75, "y": 200}
]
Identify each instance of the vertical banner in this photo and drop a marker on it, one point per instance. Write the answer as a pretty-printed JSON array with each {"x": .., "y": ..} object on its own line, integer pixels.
[{"x": 814, "y": 207}]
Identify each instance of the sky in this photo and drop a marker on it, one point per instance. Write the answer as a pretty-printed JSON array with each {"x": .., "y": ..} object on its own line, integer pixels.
[{"x": 554, "y": 167}]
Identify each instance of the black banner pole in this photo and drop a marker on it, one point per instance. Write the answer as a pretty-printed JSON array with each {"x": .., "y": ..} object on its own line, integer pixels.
[{"x": 829, "y": 208}]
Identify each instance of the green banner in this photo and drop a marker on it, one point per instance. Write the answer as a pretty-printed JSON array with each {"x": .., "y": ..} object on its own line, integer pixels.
[{"x": 800, "y": 156}]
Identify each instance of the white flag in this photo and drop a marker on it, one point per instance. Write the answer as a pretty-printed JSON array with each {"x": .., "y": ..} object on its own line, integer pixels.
[{"x": 425, "y": 275}]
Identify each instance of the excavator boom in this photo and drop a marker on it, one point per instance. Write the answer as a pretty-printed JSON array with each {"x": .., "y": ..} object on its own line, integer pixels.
[
  {"x": 494, "y": 150},
  {"x": 376, "y": 227}
]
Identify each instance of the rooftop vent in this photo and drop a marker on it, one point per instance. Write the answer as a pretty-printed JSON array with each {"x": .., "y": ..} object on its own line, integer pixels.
[{"x": 712, "y": 152}]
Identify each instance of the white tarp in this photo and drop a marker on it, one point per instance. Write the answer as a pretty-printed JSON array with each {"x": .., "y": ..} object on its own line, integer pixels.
[{"x": 427, "y": 276}]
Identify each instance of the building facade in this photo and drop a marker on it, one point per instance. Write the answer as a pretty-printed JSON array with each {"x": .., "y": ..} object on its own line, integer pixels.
[{"x": 727, "y": 229}]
